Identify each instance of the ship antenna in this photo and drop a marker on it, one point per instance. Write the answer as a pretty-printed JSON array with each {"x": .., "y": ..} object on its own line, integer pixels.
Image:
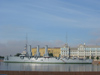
[
  {"x": 26, "y": 39},
  {"x": 66, "y": 38}
]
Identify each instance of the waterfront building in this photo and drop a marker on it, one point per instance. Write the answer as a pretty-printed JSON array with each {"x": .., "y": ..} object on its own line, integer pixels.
[
  {"x": 65, "y": 51},
  {"x": 85, "y": 51},
  {"x": 55, "y": 51},
  {"x": 81, "y": 51}
]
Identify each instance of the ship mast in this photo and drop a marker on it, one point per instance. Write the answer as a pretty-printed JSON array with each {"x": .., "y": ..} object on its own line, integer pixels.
[
  {"x": 26, "y": 46},
  {"x": 66, "y": 40}
]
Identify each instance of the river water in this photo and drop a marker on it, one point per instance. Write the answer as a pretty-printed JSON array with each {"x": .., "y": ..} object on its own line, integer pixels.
[{"x": 48, "y": 67}]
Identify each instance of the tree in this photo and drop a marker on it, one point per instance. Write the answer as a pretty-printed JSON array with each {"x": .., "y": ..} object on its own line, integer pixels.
[
  {"x": 92, "y": 57},
  {"x": 2, "y": 57},
  {"x": 87, "y": 57},
  {"x": 51, "y": 54},
  {"x": 97, "y": 57},
  {"x": 18, "y": 54}
]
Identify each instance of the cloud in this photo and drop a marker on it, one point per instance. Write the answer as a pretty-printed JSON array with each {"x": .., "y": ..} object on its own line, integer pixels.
[
  {"x": 46, "y": 19},
  {"x": 95, "y": 33},
  {"x": 82, "y": 9},
  {"x": 55, "y": 12},
  {"x": 51, "y": 43},
  {"x": 12, "y": 47},
  {"x": 94, "y": 41}
]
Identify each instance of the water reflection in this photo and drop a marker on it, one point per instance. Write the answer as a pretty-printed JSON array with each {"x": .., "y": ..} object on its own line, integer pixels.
[{"x": 48, "y": 67}]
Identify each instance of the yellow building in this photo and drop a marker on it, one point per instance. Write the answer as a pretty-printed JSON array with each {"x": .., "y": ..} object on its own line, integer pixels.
[{"x": 55, "y": 51}]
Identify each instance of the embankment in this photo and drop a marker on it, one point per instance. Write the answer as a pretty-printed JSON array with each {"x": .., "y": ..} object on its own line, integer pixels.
[
  {"x": 46, "y": 73},
  {"x": 96, "y": 62}
]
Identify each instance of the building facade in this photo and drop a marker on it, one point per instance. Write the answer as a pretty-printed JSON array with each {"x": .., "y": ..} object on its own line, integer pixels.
[
  {"x": 55, "y": 51},
  {"x": 82, "y": 51},
  {"x": 65, "y": 51}
]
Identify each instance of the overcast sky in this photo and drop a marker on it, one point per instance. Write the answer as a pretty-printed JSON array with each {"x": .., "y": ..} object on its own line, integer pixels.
[{"x": 47, "y": 22}]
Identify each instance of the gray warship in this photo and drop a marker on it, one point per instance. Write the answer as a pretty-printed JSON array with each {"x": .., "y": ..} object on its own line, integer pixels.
[{"x": 28, "y": 58}]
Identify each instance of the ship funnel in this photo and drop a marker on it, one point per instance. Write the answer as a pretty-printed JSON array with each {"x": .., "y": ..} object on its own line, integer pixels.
[
  {"x": 29, "y": 51},
  {"x": 46, "y": 51},
  {"x": 38, "y": 53}
]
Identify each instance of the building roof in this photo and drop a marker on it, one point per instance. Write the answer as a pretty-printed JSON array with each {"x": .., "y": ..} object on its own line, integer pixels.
[
  {"x": 92, "y": 46},
  {"x": 65, "y": 45},
  {"x": 49, "y": 47},
  {"x": 73, "y": 48}
]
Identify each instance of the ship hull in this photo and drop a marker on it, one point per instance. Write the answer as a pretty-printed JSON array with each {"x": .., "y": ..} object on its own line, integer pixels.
[{"x": 43, "y": 60}]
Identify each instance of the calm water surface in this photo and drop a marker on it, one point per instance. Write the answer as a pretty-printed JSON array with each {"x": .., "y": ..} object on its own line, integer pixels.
[{"x": 48, "y": 67}]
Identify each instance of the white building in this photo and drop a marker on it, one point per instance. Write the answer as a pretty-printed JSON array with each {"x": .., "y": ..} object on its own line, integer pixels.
[
  {"x": 82, "y": 51},
  {"x": 65, "y": 51}
]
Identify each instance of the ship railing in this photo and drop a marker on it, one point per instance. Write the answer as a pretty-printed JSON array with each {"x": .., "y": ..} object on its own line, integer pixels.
[{"x": 63, "y": 60}]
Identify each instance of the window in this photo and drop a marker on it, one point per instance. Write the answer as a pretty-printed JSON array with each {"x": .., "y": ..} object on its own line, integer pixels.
[
  {"x": 98, "y": 49},
  {"x": 88, "y": 49},
  {"x": 78, "y": 48}
]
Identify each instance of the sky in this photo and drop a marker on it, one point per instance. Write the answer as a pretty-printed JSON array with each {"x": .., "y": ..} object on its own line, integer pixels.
[{"x": 48, "y": 22}]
